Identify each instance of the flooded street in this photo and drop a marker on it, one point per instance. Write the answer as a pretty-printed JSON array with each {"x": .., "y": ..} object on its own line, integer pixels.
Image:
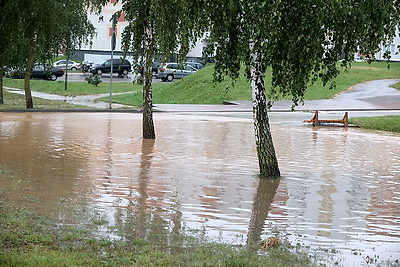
[{"x": 339, "y": 191}]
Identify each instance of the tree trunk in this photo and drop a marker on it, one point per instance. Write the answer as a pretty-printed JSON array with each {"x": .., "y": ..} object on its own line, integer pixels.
[
  {"x": 148, "y": 124},
  {"x": 1, "y": 85},
  {"x": 267, "y": 160},
  {"x": 28, "y": 73}
]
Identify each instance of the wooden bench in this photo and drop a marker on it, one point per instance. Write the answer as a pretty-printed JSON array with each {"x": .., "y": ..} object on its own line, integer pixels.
[{"x": 316, "y": 121}]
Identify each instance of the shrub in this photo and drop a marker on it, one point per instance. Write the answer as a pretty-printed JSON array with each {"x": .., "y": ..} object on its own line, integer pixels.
[{"x": 93, "y": 80}]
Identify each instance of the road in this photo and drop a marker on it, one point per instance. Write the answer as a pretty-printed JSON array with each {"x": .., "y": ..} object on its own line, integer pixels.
[{"x": 80, "y": 77}]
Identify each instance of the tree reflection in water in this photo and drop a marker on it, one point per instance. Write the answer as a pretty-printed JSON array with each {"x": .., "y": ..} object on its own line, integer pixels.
[{"x": 266, "y": 191}]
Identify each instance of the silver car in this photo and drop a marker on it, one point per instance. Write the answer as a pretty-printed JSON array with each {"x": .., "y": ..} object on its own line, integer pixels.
[
  {"x": 62, "y": 64},
  {"x": 170, "y": 71}
]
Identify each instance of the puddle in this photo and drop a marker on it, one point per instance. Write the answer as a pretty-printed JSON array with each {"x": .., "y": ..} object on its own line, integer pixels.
[{"x": 339, "y": 191}]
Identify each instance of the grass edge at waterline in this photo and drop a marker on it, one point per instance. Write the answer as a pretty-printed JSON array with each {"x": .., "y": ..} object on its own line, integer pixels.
[{"x": 29, "y": 239}]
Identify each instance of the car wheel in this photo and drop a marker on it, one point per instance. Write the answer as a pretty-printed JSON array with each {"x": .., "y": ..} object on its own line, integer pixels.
[
  {"x": 170, "y": 77},
  {"x": 99, "y": 72},
  {"x": 154, "y": 73},
  {"x": 125, "y": 72},
  {"x": 53, "y": 77},
  {"x": 73, "y": 68}
]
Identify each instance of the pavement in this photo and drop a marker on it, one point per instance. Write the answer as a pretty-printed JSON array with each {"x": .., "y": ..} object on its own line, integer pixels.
[{"x": 369, "y": 96}]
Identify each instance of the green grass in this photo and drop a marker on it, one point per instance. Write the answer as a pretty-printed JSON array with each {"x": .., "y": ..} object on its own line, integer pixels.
[
  {"x": 74, "y": 88},
  {"x": 381, "y": 123},
  {"x": 17, "y": 101},
  {"x": 199, "y": 88},
  {"x": 359, "y": 73},
  {"x": 28, "y": 239},
  {"x": 396, "y": 86}
]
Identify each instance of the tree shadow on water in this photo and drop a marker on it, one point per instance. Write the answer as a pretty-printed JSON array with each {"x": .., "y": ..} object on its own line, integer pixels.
[{"x": 266, "y": 191}]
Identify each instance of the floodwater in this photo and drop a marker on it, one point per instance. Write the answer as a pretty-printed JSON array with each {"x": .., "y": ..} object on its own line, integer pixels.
[{"x": 339, "y": 191}]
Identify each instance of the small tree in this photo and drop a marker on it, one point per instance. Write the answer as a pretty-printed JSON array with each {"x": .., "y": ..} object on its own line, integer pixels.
[
  {"x": 158, "y": 27},
  {"x": 39, "y": 29},
  {"x": 299, "y": 41}
]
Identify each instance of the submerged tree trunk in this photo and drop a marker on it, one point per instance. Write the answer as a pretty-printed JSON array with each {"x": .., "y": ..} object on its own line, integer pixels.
[
  {"x": 28, "y": 73},
  {"x": 148, "y": 124},
  {"x": 267, "y": 160}
]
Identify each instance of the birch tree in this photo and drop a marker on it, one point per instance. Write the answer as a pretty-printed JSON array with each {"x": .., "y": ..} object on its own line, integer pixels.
[
  {"x": 39, "y": 29},
  {"x": 158, "y": 27},
  {"x": 299, "y": 42}
]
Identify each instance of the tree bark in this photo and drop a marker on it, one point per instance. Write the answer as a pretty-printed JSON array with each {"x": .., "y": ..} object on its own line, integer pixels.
[
  {"x": 28, "y": 73},
  {"x": 147, "y": 123},
  {"x": 267, "y": 160}
]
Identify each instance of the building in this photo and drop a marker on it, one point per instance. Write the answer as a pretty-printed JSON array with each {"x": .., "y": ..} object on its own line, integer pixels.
[{"x": 100, "y": 50}]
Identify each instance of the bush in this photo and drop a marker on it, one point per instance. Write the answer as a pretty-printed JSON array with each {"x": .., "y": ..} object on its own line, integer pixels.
[{"x": 93, "y": 80}]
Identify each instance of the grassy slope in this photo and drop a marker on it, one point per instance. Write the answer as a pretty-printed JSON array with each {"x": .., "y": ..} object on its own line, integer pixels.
[{"x": 198, "y": 88}]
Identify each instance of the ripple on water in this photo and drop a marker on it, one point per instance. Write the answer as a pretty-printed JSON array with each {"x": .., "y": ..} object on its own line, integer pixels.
[{"x": 339, "y": 188}]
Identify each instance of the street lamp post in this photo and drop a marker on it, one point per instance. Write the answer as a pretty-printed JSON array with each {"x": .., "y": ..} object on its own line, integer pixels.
[{"x": 113, "y": 41}]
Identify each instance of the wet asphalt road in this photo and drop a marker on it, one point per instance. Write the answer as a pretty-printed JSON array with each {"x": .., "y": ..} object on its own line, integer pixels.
[{"x": 80, "y": 77}]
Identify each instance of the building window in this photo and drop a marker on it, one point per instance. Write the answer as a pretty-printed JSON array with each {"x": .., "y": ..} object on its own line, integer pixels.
[{"x": 390, "y": 48}]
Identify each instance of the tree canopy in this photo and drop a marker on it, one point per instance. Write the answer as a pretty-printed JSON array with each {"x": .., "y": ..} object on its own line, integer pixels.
[
  {"x": 174, "y": 27},
  {"x": 158, "y": 28},
  {"x": 38, "y": 29},
  {"x": 298, "y": 41}
]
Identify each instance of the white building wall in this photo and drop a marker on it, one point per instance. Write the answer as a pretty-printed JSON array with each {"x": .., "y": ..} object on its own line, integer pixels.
[
  {"x": 392, "y": 47},
  {"x": 102, "y": 42}
]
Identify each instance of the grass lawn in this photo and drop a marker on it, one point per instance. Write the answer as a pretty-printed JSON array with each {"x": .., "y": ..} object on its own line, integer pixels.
[
  {"x": 397, "y": 86},
  {"x": 17, "y": 101},
  {"x": 74, "y": 88},
  {"x": 199, "y": 88},
  {"x": 29, "y": 239},
  {"x": 382, "y": 123}
]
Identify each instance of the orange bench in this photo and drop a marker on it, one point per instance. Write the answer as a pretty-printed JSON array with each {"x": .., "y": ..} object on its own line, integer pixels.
[{"x": 316, "y": 121}]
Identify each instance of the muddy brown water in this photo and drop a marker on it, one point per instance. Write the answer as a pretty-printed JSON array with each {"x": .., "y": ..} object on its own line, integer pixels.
[{"x": 339, "y": 191}]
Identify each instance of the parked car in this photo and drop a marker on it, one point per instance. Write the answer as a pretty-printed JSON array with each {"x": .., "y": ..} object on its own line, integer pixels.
[
  {"x": 39, "y": 70},
  {"x": 170, "y": 71},
  {"x": 154, "y": 69},
  {"x": 122, "y": 67},
  {"x": 195, "y": 64},
  {"x": 62, "y": 64}
]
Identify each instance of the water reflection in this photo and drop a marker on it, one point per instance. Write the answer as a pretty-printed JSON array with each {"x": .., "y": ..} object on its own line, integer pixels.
[
  {"x": 340, "y": 188},
  {"x": 265, "y": 194}
]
